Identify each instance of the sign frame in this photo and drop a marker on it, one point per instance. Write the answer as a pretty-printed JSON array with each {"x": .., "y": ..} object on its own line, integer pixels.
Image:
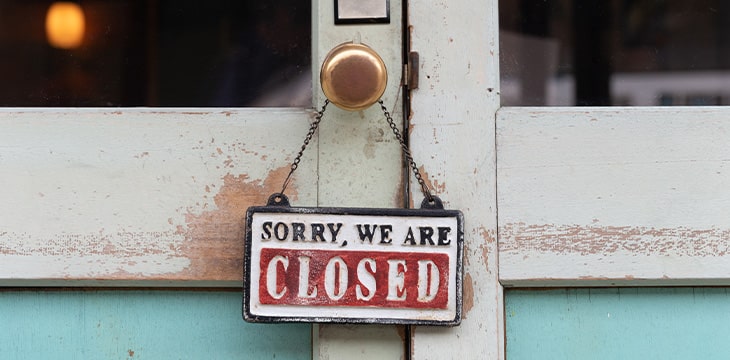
[
  {"x": 283, "y": 208},
  {"x": 362, "y": 12}
]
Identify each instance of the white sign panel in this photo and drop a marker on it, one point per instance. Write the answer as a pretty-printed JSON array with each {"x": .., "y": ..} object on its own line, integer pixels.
[{"x": 353, "y": 265}]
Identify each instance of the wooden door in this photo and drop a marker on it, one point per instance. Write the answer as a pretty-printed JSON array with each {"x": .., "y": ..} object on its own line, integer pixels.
[
  {"x": 621, "y": 199},
  {"x": 121, "y": 233},
  {"x": 564, "y": 196}
]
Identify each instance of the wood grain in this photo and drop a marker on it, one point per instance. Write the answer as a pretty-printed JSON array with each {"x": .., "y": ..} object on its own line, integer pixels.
[
  {"x": 452, "y": 138},
  {"x": 139, "y": 197},
  {"x": 359, "y": 165},
  {"x": 614, "y": 196}
]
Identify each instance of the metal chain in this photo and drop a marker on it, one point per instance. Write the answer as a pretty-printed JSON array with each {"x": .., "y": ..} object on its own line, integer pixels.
[
  {"x": 312, "y": 129},
  {"x": 407, "y": 152},
  {"x": 404, "y": 147}
]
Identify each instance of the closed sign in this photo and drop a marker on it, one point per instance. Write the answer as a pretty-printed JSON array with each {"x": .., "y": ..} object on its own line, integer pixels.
[{"x": 353, "y": 265}]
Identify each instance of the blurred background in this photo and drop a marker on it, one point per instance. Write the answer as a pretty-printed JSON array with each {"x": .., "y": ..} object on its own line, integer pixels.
[
  {"x": 615, "y": 52},
  {"x": 155, "y": 53}
]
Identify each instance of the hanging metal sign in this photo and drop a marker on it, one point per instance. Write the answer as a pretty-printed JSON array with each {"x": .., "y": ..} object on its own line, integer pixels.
[{"x": 353, "y": 265}]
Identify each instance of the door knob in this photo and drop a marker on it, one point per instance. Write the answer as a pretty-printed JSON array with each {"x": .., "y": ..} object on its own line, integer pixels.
[{"x": 353, "y": 76}]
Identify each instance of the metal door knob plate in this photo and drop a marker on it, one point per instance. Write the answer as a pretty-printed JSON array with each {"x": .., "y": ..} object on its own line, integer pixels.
[{"x": 353, "y": 76}]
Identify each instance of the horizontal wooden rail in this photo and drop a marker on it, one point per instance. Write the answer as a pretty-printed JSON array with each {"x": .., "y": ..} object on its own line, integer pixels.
[{"x": 613, "y": 196}]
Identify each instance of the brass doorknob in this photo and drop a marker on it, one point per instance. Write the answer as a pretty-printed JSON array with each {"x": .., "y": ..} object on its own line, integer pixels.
[{"x": 353, "y": 76}]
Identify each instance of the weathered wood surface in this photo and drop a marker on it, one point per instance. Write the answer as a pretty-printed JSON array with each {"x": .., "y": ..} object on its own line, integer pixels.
[
  {"x": 614, "y": 196},
  {"x": 359, "y": 165},
  {"x": 140, "y": 197},
  {"x": 452, "y": 138}
]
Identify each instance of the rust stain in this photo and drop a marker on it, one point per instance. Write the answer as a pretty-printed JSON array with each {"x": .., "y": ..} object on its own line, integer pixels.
[
  {"x": 399, "y": 197},
  {"x": 401, "y": 330},
  {"x": 410, "y": 33},
  {"x": 468, "y": 296},
  {"x": 130, "y": 352},
  {"x": 214, "y": 238},
  {"x": 606, "y": 240}
]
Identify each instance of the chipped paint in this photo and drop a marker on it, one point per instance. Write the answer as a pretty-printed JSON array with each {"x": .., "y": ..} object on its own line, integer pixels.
[
  {"x": 401, "y": 329},
  {"x": 103, "y": 255},
  {"x": 126, "y": 200},
  {"x": 468, "y": 297},
  {"x": 599, "y": 255},
  {"x": 606, "y": 240},
  {"x": 208, "y": 247},
  {"x": 214, "y": 238},
  {"x": 452, "y": 101},
  {"x": 489, "y": 237},
  {"x": 434, "y": 184}
]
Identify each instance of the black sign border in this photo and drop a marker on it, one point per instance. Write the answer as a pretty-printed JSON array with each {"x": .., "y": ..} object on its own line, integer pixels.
[
  {"x": 253, "y": 318},
  {"x": 367, "y": 20}
]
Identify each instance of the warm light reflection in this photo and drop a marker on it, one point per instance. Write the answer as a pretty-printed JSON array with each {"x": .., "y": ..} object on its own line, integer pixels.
[{"x": 65, "y": 25}]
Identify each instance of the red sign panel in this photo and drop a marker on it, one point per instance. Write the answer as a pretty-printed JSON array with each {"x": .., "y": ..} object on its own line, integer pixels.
[{"x": 353, "y": 278}]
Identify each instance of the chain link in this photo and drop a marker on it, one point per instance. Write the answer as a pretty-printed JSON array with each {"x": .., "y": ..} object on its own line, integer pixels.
[
  {"x": 312, "y": 129},
  {"x": 407, "y": 152},
  {"x": 404, "y": 147}
]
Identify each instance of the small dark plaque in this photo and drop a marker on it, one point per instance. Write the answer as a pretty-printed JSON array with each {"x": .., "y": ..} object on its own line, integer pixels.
[{"x": 362, "y": 11}]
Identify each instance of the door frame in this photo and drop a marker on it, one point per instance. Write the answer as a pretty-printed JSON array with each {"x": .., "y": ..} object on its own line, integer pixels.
[
  {"x": 452, "y": 132},
  {"x": 152, "y": 198},
  {"x": 559, "y": 196}
]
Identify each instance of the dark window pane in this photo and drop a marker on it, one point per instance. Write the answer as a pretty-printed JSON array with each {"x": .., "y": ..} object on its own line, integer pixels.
[
  {"x": 615, "y": 52},
  {"x": 158, "y": 53}
]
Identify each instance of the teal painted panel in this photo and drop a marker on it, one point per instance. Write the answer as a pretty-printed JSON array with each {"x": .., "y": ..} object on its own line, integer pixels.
[
  {"x": 621, "y": 323},
  {"x": 140, "y": 325}
]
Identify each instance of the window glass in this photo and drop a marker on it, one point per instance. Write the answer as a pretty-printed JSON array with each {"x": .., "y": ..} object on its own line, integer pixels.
[
  {"x": 155, "y": 53},
  {"x": 615, "y": 52}
]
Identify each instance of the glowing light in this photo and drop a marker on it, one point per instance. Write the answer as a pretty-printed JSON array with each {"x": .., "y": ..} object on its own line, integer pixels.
[{"x": 65, "y": 25}]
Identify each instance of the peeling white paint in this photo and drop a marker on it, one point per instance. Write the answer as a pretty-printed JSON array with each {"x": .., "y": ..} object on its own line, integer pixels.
[
  {"x": 606, "y": 196},
  {"x": 104, "y": 267},
  {"x": 452, "y": 137},
  {"x": 90, "y": 194}
]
